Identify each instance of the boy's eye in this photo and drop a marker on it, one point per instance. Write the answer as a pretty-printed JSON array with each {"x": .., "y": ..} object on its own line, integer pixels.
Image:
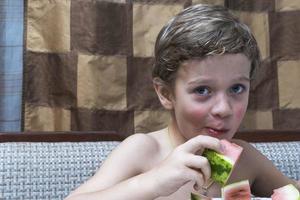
[
  {"x": 237, "y": 89},
  {"x": 202, "y": 90}
]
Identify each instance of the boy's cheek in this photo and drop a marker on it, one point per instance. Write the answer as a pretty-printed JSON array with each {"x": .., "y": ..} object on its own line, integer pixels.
[
  {"x": 197, "y": 114},
  {"x": 240, "y": 112}
]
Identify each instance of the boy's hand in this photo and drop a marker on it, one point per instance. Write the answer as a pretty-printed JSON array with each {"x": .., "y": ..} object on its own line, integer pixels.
[
  {"x": 298, "y": 184},
  {"x": 184, "y": 165}
]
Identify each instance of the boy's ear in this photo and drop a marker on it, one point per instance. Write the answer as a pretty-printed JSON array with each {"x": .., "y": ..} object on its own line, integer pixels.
[{"x": 164, "y": 93}]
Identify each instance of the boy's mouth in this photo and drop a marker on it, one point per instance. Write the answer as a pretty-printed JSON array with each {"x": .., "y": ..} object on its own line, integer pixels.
[{"x": 216, "y": 132}]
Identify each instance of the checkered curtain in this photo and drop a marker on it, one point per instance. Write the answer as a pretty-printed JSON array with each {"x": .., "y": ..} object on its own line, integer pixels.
[{"x": 88, "y": 63}]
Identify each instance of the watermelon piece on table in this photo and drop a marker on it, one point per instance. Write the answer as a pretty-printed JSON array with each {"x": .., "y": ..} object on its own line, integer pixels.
[
  {"x": 237, "y": 191},
  {"x": 223, "y": 164},
  {"x": 288, "y": 192}
]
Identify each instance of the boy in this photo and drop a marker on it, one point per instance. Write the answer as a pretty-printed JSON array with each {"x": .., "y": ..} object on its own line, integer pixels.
[{"x": 204, "y": 60}]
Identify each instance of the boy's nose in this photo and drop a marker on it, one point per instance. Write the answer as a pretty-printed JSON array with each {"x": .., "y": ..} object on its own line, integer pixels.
[{"x": 222, "y": 107}]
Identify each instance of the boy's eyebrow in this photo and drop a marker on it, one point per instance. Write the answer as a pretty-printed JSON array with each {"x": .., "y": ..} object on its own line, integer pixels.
[
  {"x": 200, "y": 81},
  {"x": 203, "y": 80},
  {"x": 244, "y": 78}
]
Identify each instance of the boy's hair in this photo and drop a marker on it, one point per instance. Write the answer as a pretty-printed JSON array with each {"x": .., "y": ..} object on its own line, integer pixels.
[{"x": 197, "y": 32}]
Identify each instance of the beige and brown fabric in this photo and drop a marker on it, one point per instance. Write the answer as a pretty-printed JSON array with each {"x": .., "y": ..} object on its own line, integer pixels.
[{"x": 88, "y": 63}]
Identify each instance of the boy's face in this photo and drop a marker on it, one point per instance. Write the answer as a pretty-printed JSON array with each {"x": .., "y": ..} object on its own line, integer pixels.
[{"x": 211, "y": 95}]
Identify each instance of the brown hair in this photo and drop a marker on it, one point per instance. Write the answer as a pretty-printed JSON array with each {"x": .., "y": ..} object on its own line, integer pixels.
[{"x": 199, "y": 31}]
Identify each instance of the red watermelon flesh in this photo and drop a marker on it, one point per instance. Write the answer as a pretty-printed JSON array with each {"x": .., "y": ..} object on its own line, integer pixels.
[
  {"x": 232, "y": 150},
  {"x": 237, "y": 191},
  {"x": 288, "y": 192}
]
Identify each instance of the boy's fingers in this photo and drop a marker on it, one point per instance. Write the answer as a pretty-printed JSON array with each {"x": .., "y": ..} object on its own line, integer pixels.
[
  {"x": 202, "y": 142},
  {"x": 197, "y": 177},
  {"x": 200, "y": 164}
]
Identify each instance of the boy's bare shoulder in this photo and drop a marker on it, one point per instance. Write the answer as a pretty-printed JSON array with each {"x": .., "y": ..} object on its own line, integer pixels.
[
  {"x": 136, "y": 153},
  {"x": 143, "y": 143}
]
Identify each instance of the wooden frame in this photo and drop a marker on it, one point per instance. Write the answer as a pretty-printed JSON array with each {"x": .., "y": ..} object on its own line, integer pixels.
[
  {"x": 90, "y": 136},
  {"x": 72, "y": 136},
  {"x": 269, "y": 135}
]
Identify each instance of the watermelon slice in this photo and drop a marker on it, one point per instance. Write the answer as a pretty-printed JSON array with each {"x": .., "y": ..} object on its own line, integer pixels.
[
  {"x": 288, "y": 192},
  {"x": 223, "y": 164},
  {"x": 195, "y": 197},
  {"x": 237, "y": 191}
]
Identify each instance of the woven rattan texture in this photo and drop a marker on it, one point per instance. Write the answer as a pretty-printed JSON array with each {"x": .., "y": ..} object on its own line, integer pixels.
[
  {"x": 285, "y": 155},
  {"x": 36, "y": 171}
]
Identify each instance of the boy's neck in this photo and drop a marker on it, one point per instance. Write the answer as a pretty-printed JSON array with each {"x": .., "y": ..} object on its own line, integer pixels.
[{"x": 175, "y": 136}]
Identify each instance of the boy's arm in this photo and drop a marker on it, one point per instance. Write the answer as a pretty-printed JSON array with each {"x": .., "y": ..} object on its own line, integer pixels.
[
  {"x": 118, "y": 176},
  {"x": 135, "y": 188},
  {"x": 267, "y": 176},
  {"x": 298, "y": 184}
]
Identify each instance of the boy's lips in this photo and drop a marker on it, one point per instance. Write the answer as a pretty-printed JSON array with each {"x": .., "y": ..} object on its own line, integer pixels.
[{"x": 216, "y": 132}]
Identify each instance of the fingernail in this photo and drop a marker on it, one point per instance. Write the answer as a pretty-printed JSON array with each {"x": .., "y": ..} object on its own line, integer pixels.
[{"x": 223, "y": 148}]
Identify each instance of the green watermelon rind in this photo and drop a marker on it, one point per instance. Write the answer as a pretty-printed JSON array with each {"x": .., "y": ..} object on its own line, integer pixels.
[
  {"x": 195, "y": 197},
  {"x": 221, "y": 166}
]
